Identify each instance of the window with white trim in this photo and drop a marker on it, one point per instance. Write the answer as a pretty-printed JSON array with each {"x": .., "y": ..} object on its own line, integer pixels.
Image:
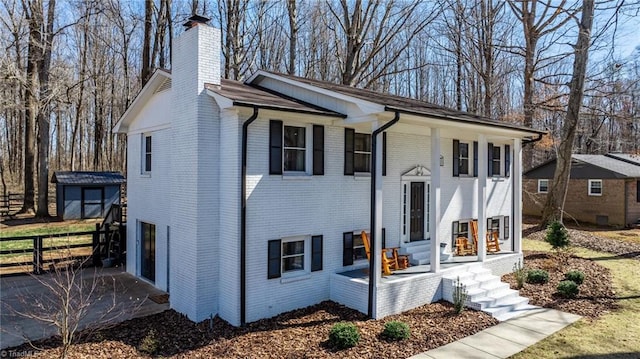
[
  {"x": 595, "y": 187},
  {"x": 358, "y": 247},
  {"x": 294, "y": 255},
  {"x": 499, "y": 224},
  {"x": 496, "y": 163},
  {"x": 362, "y": 152},
  {"x": 146, "y": 154},
  {"x": 543, "y": 186},
  {"x": 463, "y": 158},
  {"x": 460, "y": 229},
  {"x": 294, "y": 148}
]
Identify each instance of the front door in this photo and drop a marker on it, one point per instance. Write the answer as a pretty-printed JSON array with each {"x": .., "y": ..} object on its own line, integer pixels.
[
  {"x": 416, "y": 213},
  {"x": 148, "y": 255}
]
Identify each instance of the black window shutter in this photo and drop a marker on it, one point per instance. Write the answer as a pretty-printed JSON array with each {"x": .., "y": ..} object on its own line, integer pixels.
[
  {"x": 318, "y": 150},
  {"x": 347, "y": 248},
  {"x": 507, "y": 227},
  {"x": 507, "y": 160},
  {"x": 456, "y": 158},
  {"x": 475, "y": 158},
  {"x": 275, "y": 147},
  {"x": 384, "y": 238},
  {"x": 349, "y": 150},
  {"x": 455, "y": 226},
  {"x": 384, "y": 154},
  {"x": 316, "y": 253},
  {"x": 275, "y": 252},
  {"x": 490, "y": 160}
]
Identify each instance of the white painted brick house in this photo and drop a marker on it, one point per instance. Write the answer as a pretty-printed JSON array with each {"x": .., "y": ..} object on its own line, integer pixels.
[{"x": 301, "y": 150}]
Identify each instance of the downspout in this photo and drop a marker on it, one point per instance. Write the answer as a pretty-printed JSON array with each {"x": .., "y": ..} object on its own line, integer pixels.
[
  {"x": 372, "y": 230},
  {"x": 243, "y": 218}
]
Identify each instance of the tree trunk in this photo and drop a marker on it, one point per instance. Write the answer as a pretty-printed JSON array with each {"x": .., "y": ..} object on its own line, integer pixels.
[
  {"x": 293, "y": 35},
  {"x": 554, "y": 205}
]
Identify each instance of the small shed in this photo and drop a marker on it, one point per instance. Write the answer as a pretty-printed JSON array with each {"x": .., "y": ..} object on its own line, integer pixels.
[{"x": 82, "y": 195}]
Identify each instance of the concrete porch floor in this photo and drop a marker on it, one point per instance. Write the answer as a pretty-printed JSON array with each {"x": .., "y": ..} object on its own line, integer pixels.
[{"x": 16, "y": 293}]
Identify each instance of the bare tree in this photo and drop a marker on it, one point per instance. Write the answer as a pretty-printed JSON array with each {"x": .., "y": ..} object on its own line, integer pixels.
[{"x": 554, "y": 205}]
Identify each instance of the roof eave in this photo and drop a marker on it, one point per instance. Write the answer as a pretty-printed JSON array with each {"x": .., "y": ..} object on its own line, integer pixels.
[{"x": 158, "y": 77}]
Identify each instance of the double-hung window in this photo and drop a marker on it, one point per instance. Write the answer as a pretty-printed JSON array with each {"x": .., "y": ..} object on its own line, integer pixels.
[
  {"x": 357, "y": 152},
  {"x": 353, "y": 248},
  {"x": 595, "y": 187},
  {"x": 362, "y": 153},
  {"x": 543, "y": 186},
  {"x": 463, "y": 154},
  {"x": 294, "y": 255},
  {"x": 146, "y": 154},
  {"x": 459, "y": 229},
  {"x": 500, "y": 225},
  {"x": 296, "y": 149},
  {"x": 495, "y": 162}
]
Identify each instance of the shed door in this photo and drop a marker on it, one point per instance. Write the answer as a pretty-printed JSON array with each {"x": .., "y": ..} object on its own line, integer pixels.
[{"x": 92, "y": 202}]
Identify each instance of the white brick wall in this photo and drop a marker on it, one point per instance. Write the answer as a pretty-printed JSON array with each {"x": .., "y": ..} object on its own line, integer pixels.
[
  {"x": 194, "y": 174},
  {"x": 148, "y": 194}
]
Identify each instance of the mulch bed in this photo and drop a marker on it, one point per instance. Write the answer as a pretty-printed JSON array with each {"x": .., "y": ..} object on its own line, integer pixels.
[
  {"x": 298, "y": 334},
  {"x": 596, "y": 295},
  {"x": 589, "y": 240}
]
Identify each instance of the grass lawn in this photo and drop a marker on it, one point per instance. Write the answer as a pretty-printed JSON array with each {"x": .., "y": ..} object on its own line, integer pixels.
[
  {"x": 24, "y": 248},
  {"x": 614, "y": 333},
  {"x": 626, "y": 235}
]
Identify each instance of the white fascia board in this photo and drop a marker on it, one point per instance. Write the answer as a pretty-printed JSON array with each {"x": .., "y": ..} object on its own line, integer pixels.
[
  {"x": 145, "y": 94},
  {"x": 223, "y": 102},
  {"x": 366, "y": 107}
]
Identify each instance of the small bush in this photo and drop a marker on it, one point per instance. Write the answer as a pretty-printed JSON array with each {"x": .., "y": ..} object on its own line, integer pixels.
[
  {"x": 537, "y": 276},
  {"x": 149, "y": 343},
  {"x": 396, "y": 330},
  {"x": 344, "y": 335},
  {"x": 568, "y": 289},
  {"x": 460, "y": 295},
  {"x": 520, "y": 273},
  {"x": 557, "y": 236},
  {"x": 575, "y": 276}
]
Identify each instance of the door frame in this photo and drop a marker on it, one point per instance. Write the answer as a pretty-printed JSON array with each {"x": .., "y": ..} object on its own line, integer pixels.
[
  {"x": 417, "y": 174},
  {"x": 141, "y": 248},
  {"x": 82, "y": 199}
]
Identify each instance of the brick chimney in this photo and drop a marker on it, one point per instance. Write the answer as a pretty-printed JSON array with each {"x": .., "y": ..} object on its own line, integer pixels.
[{"x": 193, "y": 163}]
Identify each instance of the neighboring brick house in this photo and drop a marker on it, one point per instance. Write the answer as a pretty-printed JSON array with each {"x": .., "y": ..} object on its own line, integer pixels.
[
  {"x": 603, "y": 189},
  {"x": 247, "y": 199}
]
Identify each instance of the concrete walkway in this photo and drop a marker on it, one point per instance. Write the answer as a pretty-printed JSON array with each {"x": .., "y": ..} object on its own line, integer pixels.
[
  {"x": 23, "y": 293},
  {"x": 507, "y": 338}
]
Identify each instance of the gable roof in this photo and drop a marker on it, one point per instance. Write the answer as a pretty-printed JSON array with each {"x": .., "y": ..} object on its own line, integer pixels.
[
  {"x": 399, "y": 103},
  {"x": 589, "y": 167},
  {"x": 86, "y": 177},
  {"x": 243, "y": 94},
  {"x": 626, "y": 157}
]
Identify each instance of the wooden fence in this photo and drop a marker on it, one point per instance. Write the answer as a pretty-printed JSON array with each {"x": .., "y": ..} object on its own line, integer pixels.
[
  {"x": 10, "y": 203},
  {"x": 63, "y": 247}
]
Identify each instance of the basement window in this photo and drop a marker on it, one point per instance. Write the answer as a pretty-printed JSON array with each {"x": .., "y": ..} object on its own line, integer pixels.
[{"x": 595, "y": 187}]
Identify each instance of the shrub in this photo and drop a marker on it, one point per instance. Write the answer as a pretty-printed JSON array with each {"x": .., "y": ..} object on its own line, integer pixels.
[
  {"x": 460, "y": 295},
  {"x": 344, "y": 335},
  {"x": 575, "y": 276},
  {"x": 396, "y": 330},
  {"x": 568, "y": 289},
  {"x": 520, "y": 273},
  {"x": 537, "y": 276},
  {"x": 557, "y": 236},
  {"x": 149, "y": 343}
]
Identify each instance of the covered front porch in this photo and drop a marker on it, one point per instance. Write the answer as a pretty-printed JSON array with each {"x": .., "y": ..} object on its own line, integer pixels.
[{"x": 412, "y": 287}]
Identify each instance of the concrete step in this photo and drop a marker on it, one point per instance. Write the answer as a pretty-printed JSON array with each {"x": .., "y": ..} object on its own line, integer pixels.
[
  {"x": 518, "y": 310},
  {"x": 493, "y": 300},
  {"x": 415, "y": 249},
  {"x": 506, "y": 306}
]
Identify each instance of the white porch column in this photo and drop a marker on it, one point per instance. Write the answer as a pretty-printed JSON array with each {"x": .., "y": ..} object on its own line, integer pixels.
[
  {"x": 517, "y": 195},
  {"x": 482, "y": 196},
  {"x": 434, "y": 203},
  {"x": 377, "y": 246}
]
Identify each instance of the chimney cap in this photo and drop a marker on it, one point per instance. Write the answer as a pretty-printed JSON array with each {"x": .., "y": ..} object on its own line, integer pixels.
[{"x": 194, "y": 20}]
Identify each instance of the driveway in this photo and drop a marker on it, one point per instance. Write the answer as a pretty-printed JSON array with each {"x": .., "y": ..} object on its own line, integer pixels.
[{"x": 107, "y": 296}]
